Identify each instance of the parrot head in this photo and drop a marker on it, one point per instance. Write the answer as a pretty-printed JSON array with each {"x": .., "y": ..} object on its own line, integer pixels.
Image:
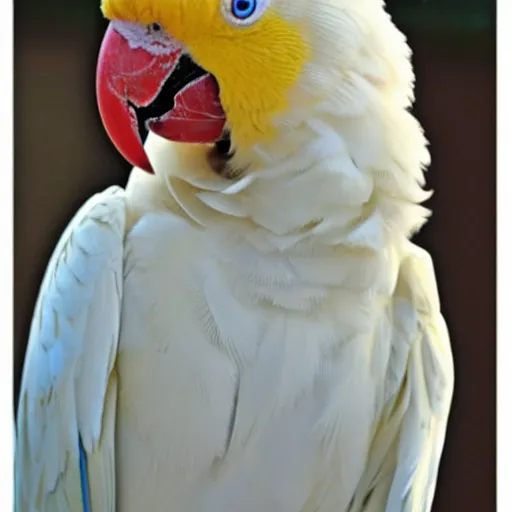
[{"x": 239, "y": 73}]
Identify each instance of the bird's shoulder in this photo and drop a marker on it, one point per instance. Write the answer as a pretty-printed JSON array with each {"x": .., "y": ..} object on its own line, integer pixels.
[
  {"x": 70, "y": 356},
  {"x": 406, "y": 450}
]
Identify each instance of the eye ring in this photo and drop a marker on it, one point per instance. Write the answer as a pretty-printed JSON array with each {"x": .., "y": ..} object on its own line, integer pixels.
[{"x": 243, "y": 12}]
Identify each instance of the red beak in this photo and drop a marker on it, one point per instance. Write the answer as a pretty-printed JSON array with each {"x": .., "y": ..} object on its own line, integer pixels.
[{"x": 158, "y": 88}]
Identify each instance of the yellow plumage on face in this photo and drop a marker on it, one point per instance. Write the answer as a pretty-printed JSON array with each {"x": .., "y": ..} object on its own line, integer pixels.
[{"x": 256, "y": 66}]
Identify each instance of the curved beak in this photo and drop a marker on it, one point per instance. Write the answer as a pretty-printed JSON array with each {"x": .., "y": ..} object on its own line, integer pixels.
[{"x": 161, "y": 90}]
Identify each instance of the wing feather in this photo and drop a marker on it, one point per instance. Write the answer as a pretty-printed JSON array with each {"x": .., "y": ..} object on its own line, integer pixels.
[
  {"x": 405, "y": 455},
  {"x": 430, "y": 378},
  {"x": 68, "y": 388}
]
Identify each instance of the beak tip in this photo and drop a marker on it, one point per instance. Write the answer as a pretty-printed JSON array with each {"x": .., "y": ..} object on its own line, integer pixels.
[
  {"x": 117, "y": 118},
  {"x": 145, "y": 165}
]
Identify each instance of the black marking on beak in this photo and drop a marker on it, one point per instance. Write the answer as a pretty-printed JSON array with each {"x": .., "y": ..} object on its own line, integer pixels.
[{"x": 184, "y": 72}]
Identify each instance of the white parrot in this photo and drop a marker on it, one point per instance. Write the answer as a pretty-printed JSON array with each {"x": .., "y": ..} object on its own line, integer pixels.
[{"x": 246, "y": 327}]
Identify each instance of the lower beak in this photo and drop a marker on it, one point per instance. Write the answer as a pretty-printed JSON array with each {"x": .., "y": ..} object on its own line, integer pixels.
[{"x": 162, "y": 91}]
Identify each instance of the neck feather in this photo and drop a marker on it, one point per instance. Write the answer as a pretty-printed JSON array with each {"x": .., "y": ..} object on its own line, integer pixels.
[{"x": 352, "y": 181}]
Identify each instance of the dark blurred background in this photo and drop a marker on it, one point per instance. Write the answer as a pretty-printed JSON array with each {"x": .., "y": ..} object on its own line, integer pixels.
[{"x": 62, "y": 156}]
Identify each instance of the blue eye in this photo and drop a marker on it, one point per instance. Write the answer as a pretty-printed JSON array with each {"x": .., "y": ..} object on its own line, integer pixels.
[
  {"x": 243, "y": 9},
  {"x": 243, "y": 13}
]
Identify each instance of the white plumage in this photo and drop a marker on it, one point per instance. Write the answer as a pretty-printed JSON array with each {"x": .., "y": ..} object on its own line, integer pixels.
[{"x": 269, "y": 344}]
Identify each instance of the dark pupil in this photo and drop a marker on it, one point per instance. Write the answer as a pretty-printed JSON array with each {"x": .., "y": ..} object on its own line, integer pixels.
[
  {"x": 155, "y": 27},
  {"x": 242, "y": 6}
]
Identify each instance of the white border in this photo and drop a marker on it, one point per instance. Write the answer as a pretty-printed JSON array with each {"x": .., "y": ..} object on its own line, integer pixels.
[
  {"x": 504, "y": 246},
  {"x": 6, "y": 261}
]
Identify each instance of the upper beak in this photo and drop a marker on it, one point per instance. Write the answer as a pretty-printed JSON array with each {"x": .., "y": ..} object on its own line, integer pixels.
[{"x": 161, "y": 91}]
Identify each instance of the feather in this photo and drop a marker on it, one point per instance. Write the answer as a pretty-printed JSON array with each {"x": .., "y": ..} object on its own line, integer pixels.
[
  {"x": 84, "y": 480},
  {"x": 70, "y": 358}
]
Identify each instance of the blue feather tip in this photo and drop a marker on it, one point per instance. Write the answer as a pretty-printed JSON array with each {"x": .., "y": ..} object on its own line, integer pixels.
[{"x": 84, "y": 480}]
